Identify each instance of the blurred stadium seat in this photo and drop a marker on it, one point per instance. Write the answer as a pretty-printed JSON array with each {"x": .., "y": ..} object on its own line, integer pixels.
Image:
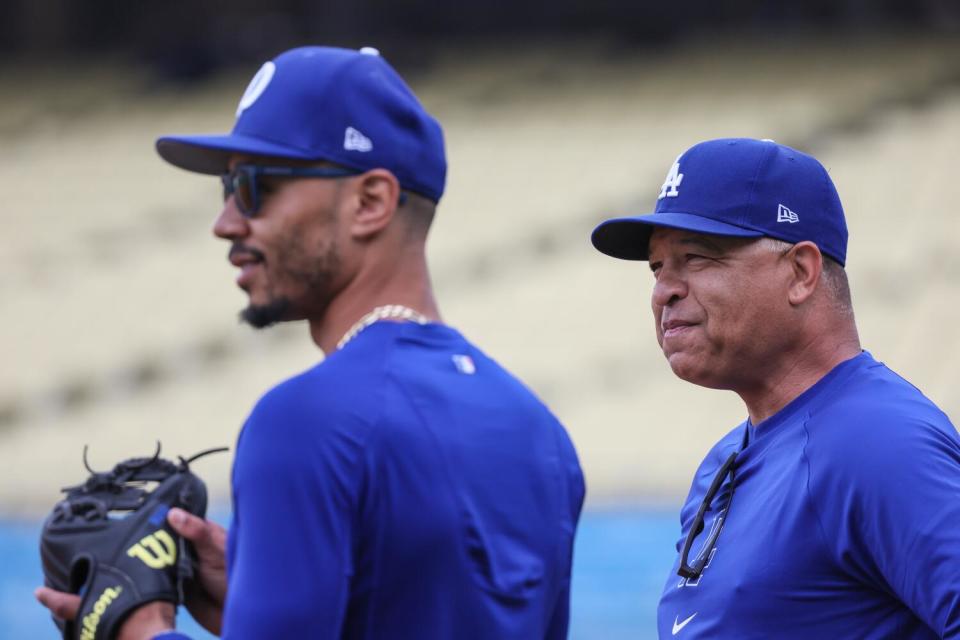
[{"x": 119, "y": 308}]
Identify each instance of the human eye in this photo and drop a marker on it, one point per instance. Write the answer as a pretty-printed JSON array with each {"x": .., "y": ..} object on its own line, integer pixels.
[
  {"x": 268, "y": 186},
  {"x": 655, "y": 267}
]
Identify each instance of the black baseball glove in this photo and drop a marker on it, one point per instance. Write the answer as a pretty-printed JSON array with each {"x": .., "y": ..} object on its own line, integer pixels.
[{"x": 109, "y": 541}]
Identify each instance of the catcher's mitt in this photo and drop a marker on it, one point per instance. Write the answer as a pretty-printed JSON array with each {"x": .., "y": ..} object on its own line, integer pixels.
[{"x": 109, "y": 541}]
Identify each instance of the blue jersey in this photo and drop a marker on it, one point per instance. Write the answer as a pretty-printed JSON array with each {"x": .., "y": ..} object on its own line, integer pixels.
[
  {"x": 406, "y": 487},
  {"x": 844, "y": 520}
]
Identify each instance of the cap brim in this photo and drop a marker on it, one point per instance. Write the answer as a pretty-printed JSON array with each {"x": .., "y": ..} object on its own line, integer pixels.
[
  {"x": 628, "y": 238},
  {"x": 211, "y": 154}
]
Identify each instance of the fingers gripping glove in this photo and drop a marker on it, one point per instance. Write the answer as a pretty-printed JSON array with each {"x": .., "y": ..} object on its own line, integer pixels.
[{"x": 109, "y": 542}]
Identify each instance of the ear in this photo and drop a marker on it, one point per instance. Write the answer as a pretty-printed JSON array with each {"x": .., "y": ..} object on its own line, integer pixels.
[
  {"x": 806, "y": 264},
  {"x": 377, "y": 196}
]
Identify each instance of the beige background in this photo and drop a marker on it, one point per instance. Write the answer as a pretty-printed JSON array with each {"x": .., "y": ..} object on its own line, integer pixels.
[{"x": 119, "y": 309}]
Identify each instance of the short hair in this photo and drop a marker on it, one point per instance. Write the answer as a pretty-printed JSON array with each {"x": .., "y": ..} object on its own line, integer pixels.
[
  {"x": 418, "y": 211},
  {"x": 833, "y": 276}
]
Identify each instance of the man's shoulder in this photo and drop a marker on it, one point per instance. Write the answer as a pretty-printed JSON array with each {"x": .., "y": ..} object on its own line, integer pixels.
[
  {"x": 318, "y": 387},
  {"x": 440, "y": 357},
  {"x": 325, "y": 412},
  {"x": 399, "y": 374},
  {"x": 876, "y": 421},
  {"x": 331, "y": 388},
  {"x": 876, "y": 401},
  {"x": 880, "y": 455}
]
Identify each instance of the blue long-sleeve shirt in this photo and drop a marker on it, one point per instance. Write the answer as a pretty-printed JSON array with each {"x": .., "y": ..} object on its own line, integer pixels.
[
  {"x": 844, "y": 520},
  {"x": 406, "y": 487}
]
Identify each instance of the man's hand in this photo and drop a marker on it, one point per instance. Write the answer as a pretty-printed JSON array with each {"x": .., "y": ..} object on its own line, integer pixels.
[
  {"x": 144, "y": 623},
  {"x": 204, "y": 596},
  {"x": 63, "y": 606}
]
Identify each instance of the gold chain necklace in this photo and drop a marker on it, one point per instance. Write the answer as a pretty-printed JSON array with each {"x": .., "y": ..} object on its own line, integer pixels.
[{"x": 385, "y": 312}]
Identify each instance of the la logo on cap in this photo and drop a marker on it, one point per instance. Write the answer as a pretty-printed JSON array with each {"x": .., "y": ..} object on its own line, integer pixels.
[
  {"x": 674, "y": 178},
  {"x": 257, "y": 86}
]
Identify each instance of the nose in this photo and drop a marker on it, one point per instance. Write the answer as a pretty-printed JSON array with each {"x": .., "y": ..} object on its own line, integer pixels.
[
  {"x": 230, "y": 224},
  {"x": 668, "y": 288}
]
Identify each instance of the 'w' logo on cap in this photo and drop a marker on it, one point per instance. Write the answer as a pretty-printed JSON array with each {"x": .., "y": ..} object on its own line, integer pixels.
[
  {"x": 785, "y": 215},
  {"x": 353, "y": 140}
]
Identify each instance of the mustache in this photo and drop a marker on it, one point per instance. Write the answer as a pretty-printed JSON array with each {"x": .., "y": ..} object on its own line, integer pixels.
[{"x": 240, "y": 249}]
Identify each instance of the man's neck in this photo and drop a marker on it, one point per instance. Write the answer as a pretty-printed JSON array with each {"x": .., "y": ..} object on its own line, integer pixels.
[
  {"x": 808, "y": 364},
  {"x": 407, "y": 285}
]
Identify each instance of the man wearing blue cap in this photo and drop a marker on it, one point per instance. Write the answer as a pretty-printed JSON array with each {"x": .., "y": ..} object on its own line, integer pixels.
[
  {"x": 407, "y": 486},
  {"x": 832, "y": 511}
]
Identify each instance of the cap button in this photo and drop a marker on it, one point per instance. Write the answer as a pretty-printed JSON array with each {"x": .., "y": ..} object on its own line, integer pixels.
[{"x": 370, "y": 51}]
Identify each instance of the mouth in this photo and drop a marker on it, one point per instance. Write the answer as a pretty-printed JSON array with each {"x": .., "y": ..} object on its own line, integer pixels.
[
  {"x": 675, "y": 328},
  {"x": 246, "y": 259}
]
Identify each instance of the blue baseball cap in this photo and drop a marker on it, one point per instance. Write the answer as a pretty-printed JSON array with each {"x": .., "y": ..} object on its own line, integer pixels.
[
  {"x": 738, "y": 187},
  {"x": 327, "y": 104}
]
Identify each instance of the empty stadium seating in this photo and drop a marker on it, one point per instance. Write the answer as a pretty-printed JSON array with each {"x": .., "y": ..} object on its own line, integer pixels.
[{"x": 119, "y": 308}]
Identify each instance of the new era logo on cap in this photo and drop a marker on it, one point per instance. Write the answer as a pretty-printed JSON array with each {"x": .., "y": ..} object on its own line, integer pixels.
[
  {"x": 785, "y": 215},
  {"x": 353, "y": 140}
]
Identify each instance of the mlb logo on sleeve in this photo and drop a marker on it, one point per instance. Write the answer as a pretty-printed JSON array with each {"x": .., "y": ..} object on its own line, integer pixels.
[{"x": 464, "y": 364}]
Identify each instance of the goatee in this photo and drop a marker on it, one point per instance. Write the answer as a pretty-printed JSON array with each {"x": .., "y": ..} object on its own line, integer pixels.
[{"x": 261, "y": 316}]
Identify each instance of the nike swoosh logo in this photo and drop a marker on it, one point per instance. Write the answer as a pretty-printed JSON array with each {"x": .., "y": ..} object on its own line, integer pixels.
[{"x": 678, "y": 626}]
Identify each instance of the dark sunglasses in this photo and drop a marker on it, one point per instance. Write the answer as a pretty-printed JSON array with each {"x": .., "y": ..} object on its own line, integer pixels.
[
  {"x": 692, "y": 571},
  {"x": 243, "y": 181}
]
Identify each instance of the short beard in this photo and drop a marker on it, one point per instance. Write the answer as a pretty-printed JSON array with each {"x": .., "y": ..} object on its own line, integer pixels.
[
  {"x": 261, "y": 316},
  {"x": 316, "y": 275}
]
